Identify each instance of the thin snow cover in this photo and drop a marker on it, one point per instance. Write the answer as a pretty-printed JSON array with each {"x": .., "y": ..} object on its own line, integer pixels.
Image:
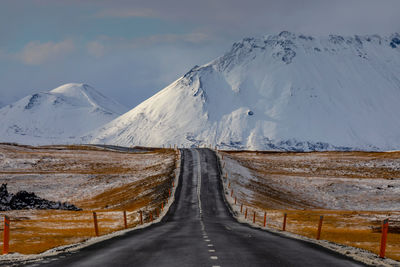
[
  {"x": 277, "y": 92},
  {"x": 17, "y": 258},
  {"x": 357, "y": 254},
  {"x": 57, "y": 116}
]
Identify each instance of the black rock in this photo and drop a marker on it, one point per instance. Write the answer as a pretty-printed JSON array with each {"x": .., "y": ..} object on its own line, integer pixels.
[{"x": 29, "y": 200}]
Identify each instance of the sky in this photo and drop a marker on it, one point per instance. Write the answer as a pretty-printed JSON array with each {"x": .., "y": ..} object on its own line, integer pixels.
[{"x": 129, "y": 50}]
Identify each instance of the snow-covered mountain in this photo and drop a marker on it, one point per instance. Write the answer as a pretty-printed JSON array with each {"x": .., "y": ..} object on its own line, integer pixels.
[
  {"x": 57, "y": 116},
  {"x": 284, "y": 91}
]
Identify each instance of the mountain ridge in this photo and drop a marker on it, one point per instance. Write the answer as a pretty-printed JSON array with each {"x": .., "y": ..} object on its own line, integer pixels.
[
  {"x": 60, "y": 115},
  {"x": 278, "y": 92}
]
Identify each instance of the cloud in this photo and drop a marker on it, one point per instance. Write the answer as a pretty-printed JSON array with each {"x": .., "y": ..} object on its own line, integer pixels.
[
  {"x": 96, "y": 49},
  {"x": 36, "y": 53},
  {"x": 126, "y": 13}
]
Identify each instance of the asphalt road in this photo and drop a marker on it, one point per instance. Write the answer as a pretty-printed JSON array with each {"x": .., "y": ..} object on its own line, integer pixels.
[{"x": 199, "y": 231}]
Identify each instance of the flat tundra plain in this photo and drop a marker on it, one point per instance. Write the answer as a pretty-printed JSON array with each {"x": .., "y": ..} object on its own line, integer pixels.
[
  {"x": 93, "y": 179},
  {"x": 354, "y": 191}
]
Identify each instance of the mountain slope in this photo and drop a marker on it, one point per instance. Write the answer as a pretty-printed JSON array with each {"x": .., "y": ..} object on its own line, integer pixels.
[
  {"x": 57, "y": 116},
  {"x": 284, "y": 91}
]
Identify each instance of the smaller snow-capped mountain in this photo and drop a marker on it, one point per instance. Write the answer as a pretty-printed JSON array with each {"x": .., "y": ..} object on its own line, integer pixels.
[{"x": 57, "y": 116}]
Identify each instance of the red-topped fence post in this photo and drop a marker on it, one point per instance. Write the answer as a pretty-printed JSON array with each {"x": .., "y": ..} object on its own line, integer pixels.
[{"x": 385, "y": 227}]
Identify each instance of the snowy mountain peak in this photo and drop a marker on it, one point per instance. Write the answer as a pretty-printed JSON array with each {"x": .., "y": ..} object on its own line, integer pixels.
[
  {"x": 59, "y": 115},
  {"x": 284, "y": 92}
]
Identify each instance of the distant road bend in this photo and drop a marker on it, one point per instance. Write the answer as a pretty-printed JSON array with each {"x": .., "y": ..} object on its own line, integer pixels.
[{"x": 198, "y": 230}]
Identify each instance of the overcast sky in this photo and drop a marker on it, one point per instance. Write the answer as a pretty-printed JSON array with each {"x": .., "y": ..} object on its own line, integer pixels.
[{"x": 129, "y": 50}]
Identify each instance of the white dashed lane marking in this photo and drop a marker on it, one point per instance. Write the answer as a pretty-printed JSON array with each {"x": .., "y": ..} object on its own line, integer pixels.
[{"x": 214, "y": 257}]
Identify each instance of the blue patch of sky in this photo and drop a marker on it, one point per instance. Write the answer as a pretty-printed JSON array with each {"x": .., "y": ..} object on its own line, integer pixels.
[{"x": 20, "y": 24}]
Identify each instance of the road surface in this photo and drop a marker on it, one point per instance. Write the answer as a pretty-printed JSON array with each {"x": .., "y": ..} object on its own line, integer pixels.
[{"x": 199, "y": 231}]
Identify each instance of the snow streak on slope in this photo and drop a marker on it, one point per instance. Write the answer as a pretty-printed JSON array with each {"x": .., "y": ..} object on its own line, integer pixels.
[
  {"x": 58, "y": 116},
  {"x": 285, "y": 91}
]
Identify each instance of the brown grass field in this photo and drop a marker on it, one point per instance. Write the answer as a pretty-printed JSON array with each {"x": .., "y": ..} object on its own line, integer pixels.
[
  {"x": 93, "y": 179},
  {"x": 274, "y": 189}
]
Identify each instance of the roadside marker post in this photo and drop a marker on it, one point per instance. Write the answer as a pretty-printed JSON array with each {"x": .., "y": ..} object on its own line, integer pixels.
[
  {"x": 241, "y": 208},
  {"x": 245, "y": 214},
  {"x": 265, "y": 219},
  {"x": 6, "y": 235},
  {"x": 284, "y": 222},
  {"x": 151, "y": 216},
  {"x": 125, "y": 220},
  {"x": 141, "y": 217},
  {"x": 235, "y": 200},
  {"x": 385, "y": 227},
  {"x": 162, "y": 206},
  {"x": 254, "y": 217},
  {"x": 96, "y": 226},
  {"x": 321, "y": 218}
]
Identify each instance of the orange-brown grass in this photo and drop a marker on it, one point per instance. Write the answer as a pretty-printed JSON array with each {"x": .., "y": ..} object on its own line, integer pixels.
[
  {"x": 353, "y": 228},
  {"x": 35, "y": 231}
]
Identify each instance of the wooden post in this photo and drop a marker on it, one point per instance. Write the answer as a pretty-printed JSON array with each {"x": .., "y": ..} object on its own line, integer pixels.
[
  {"x": 157, "y": 213},
  {"x": 254, "y": 217},
  {"x": 162, "y": 206},
  {"x": 265, "y": 219},
  {"x": 385, "y": 227},
  {"x": 321, "y": 218},
  {"x": 6, "y": 235},
  {"x": 141, "y": 217},
  {"x": 125, "y": 220},
  {"x": 284, "y": 222},
  {"x": 231, "y": 192},
  {"x": 226, "y": 175},
  {"x": 245, "y": 214},
  {"x": 241, "y": 208},
  {"x": 229, "y": 184},
  {"x": 173, "y": 183},
  {"x": 235, "y": 200},
  {"x": 151, "y": 216},
  {"x": 96, "y": 227}
]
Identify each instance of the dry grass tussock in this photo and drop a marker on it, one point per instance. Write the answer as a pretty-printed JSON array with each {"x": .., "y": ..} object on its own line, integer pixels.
[
  {"x": 93, "y": 179},
  {"x": 275, "y": 188}
]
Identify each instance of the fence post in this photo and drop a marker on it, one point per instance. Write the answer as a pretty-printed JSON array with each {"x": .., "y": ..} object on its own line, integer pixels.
[
  {"x": 235, "y": 200},
  {"x": 96, "y": 227},
  {"x": 169, "y": 192},
  {"x": 125, "y": 220},
  {"x": 321, "y": 218},
  {"x": 6, "y": 235},
  {"x": 241, "y": 208},
  {"x": 254, "y": 217},
  {"x": 229, "y": 184},
  {"x": 385, "y": 227},
  {"x": 284, "y": 222},
  {"x": 157, "y": 213},
  {"x": 162, "y": 206},
  {"x": 245, "y": 214},
  {"x": 265, "y": 218},
  {"x": 141, "y": 217},
  {"x": 151, "y": 216},
  {"x": 231, "y": 192}
]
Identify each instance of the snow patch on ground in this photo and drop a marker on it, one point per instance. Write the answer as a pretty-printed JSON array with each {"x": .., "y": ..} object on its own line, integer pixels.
[{"x": 357, "y": 254}]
